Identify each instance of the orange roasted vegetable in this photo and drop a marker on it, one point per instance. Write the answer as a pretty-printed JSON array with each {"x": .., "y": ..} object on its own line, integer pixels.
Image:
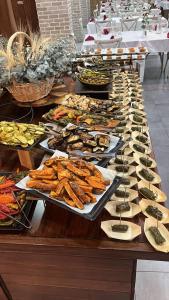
[
  {"x": 37, "y": 184},
  {"x": 92, "y": 197},
  {"x": 79, "y": 192},
  {"x": 60, "y": 187},
  {"x": 72, "y": 195},
  {"x": 44, "y": 177},
  {"x": 69, "y": 201},
  {"x": 75, "y": 170},
  {"x": 62, "y": 172},
  {"x": 95, "y": 184},
  {"x": 6, "y": 198},
  {"x": 70, "y": 180},
  {"x": 42, "y": 173},
  {"x": 6, "y": 183},
  {"x": 85, "y": 188},
  {"x": 113, "y": 123},
  {"x": 79, "y": 181}
]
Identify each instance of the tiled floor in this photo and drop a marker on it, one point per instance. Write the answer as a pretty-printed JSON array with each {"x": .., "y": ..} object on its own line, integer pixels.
[{"x": 152, "y": 281}]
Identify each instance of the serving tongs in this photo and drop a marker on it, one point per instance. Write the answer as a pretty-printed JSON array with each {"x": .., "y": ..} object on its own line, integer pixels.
[
  {"x": 21, "y": 212},
  {"x": 51, "y": 129},
  {"x": 80, "y": 154}
]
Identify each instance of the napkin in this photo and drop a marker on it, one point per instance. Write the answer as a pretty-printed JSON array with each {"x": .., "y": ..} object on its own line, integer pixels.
[
  {"x": 92, "y": 20},
  {"x": 106, "y": 31},
  {"x": 89, "y": 38}
]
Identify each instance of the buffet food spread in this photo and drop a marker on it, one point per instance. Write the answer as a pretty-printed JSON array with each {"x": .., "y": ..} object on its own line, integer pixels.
[
  {"x": 77, "y": 184},
  {"x": 78, "y": 132}
]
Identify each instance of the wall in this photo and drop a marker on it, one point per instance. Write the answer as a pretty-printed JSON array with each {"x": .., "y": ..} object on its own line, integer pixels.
[
  {"x": 76, "y": 22},
  {"x": 54, "y": 17},
  {"x": 61, "y": 18},
  {"x": 85, "y": 8}
]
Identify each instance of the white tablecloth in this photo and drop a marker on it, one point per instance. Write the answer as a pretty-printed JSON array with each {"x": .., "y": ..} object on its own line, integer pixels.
[
  {"x": 116, "y": 23},
  {"x": 153, "y": 41},
  {"x": 164, "y": 4}
]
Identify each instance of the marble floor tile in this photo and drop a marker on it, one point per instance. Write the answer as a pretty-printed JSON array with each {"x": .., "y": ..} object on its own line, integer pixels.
[
  {"x": 152, "y": 266},
  {"x": 159, "y": 136},
  {"x": 152, "y": 286}
]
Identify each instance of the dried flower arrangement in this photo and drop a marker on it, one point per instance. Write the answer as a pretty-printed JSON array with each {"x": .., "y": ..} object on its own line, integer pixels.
[{"x": 35, "y": 61}]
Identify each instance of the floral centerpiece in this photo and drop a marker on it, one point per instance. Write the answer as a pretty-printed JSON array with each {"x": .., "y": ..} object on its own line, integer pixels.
[
  {"x": 145, "y": 23},
  {"x": 28, "y": 69}
]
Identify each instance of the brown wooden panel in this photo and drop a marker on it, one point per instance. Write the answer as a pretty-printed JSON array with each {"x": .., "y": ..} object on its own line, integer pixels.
[
  {"x": 26, "y": 14},
  {"x": 70, "y": 272},
  {"x": 6, "y": 27},
  {"x": 42, "y": 276},
  {"x": 34, "y": 292},
  {"x": 2, "y": 296},
  {"x": 31, "y": 13},
  {"x": 19, "y": 13}
]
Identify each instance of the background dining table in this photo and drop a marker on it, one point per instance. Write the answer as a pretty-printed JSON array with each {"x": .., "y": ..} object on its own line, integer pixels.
[
  {"x": 153, "y": 41},
  {"x": 116, "y": 24},
  {"x": 164, "y": 4}
]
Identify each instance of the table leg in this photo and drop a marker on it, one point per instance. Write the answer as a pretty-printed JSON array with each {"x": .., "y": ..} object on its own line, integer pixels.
[
  {"x": 141, "y": 69},
  {"x": 166, "y": 58},
  {"x": 26, "y": 159},
  {"x": 5, "y": 289}
]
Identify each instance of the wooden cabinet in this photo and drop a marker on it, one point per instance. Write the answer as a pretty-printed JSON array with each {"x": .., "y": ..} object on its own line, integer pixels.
[{"x": 51, "y": 276}]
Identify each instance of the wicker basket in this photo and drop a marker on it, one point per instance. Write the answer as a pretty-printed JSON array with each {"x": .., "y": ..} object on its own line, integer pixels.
[{"x": 28, "y": 92}]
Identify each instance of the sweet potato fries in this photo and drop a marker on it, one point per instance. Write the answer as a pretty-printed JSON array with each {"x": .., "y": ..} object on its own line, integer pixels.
[{"x": 72, "y": 181}]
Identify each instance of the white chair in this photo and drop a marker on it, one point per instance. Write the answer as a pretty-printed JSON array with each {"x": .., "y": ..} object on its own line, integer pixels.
[
  {"x": 100, "y": 25},
  {"x": 129, "y": 24},
  {"x": 95, "y": 13},
  {"x": 112, "y": 43},
  {"x": 155, "y": 11}
]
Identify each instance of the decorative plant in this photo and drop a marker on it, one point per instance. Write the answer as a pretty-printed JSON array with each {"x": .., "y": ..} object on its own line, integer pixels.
[
  {"x": 145, "y": 21},
  {"x": 39, "y": 60}
]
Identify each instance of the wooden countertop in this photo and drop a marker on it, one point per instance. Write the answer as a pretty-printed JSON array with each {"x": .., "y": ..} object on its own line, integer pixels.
[{"x": 55, "y": 227}]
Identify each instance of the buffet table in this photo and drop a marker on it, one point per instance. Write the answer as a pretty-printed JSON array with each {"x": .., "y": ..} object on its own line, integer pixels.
[{"x": 64, "y": 256}]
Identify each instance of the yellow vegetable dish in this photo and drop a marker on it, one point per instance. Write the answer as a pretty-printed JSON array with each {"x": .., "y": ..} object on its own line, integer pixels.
[{"x": 19, "y": 134}]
